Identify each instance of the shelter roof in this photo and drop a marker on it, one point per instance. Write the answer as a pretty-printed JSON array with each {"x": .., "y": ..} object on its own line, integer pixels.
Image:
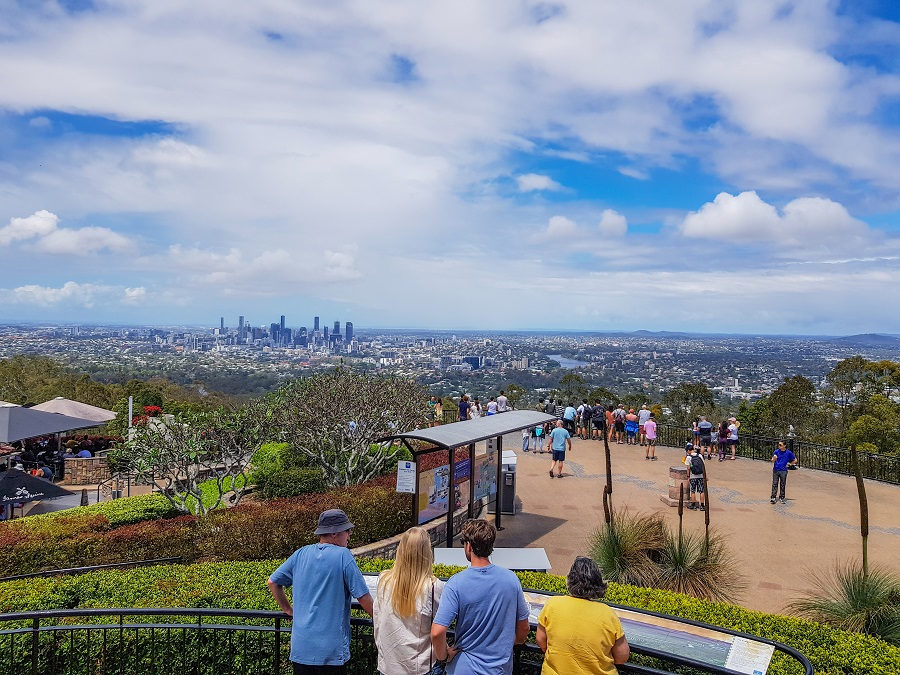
[
  {"x": 457, "y": 434},
  {"x": 66, "y": 406},
  {"x": 17, "y": 423}
]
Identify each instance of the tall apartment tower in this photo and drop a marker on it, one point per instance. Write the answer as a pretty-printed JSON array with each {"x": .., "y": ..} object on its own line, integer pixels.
[
  {"x": 348, "y": 328},
  {"x": 326, "y": 335},
  {"x": 222, "y": 323},
  {"x": 337, "y": 329},
  {"x": 316, "y": 324},
  {"x": 282, "y": 323},
  {"x": 240, "y": 326}
]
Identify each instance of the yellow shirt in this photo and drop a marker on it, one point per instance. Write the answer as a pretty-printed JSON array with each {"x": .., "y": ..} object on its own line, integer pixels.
[{"x": 580, "y": 636}]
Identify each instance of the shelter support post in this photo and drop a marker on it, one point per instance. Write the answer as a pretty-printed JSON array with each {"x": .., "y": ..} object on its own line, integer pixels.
[
  {"x": 499, "y": 446},
  {"x": 451, "y": 499},
  {"x": 471, "y": 480}
]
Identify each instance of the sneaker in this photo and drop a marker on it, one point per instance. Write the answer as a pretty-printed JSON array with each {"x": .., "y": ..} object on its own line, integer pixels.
[
  {"x": 551, "y": 476},
  {"x": 647, "y": 457},
  {"x": 692, "y": 506},
  {"x": 702, "y": 507},
  {"x": 559, "y": 475},
  {"x": 772, "y": 501},
  {"x": 783, "y": 500},
  {"x": 653, "y": 458}
]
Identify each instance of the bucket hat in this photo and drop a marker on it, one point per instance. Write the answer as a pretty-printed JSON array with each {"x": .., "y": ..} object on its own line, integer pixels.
[{"x": 333, "y": 521}]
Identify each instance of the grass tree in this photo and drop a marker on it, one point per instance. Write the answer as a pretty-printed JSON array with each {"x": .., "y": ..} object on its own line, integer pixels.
[{"x": 850, "y": 595}]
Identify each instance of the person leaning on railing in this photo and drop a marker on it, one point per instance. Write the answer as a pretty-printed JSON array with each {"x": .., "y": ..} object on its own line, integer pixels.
[{"x": 578, "y": 634}]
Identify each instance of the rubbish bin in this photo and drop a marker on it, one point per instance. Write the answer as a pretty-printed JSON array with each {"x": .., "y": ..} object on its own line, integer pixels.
[{"x": 508, "y": 484}]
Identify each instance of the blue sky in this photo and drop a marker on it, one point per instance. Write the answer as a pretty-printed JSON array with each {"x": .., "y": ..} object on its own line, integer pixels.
[{"x": 705, "y": 165}]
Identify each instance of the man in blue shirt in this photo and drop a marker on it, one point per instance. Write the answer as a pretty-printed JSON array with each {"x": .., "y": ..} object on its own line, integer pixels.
[
  {"x": 569, "y": 415},
  {"x": 560, "y": 441},
  {"x": 489, "y": 608},
  {"x": 324, "y": 577},
  {"x": 781, "y": 460}
]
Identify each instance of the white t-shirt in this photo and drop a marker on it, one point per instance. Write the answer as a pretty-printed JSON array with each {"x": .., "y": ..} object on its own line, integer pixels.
[
  {"x": 643, "y": 416},
  {"x": 732, "y": 432},
  {"x": 501, "y": 403},
  {"x": 404, "y": 644}
]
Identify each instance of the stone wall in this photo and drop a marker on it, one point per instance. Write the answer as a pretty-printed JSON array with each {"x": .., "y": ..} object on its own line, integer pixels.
[
  {"x": 86, "y": 470},
  {"x": 437, "y": 530}
]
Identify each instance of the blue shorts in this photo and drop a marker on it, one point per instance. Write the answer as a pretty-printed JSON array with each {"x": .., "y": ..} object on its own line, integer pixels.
[{"x": 559, "y": 455}]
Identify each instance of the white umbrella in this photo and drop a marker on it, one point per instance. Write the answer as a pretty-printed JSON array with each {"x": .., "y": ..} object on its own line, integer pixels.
[{"x": 65, "y": 406}]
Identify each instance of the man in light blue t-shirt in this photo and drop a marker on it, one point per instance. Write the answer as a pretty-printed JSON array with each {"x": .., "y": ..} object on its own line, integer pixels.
[
  {"x": 324, "y": 578},
  {"x": 560, "y": 440},
  {"x": 489, "y": 608}
]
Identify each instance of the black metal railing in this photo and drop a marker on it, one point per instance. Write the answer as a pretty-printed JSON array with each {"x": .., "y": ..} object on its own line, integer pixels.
[
  {"x": 204, "y": 641},
  {"x": 884, "y": 468}
]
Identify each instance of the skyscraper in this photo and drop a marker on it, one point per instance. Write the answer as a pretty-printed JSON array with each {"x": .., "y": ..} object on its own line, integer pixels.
[
  {"x": 222, "y": 323},
  {"x": 282, "y": 323},
  {"x": 240, "y": 326},
  {"x": 316, "y": 324},
  {"x": 337, "y": 328},
  {"x": 348, "y": 328}
]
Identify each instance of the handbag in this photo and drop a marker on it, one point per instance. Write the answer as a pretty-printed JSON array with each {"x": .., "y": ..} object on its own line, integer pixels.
[{"x": 434, "y": 668}]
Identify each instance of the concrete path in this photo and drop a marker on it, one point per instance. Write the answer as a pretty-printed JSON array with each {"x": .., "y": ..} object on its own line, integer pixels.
[{"x": 776, "y": 545}]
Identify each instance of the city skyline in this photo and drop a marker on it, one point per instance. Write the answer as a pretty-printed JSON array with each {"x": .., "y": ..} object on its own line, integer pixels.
[{"x": 707, "y": 166}]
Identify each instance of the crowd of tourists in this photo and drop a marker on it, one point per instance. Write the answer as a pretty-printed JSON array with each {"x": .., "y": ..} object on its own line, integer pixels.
[{"x": 412, "y": 610}]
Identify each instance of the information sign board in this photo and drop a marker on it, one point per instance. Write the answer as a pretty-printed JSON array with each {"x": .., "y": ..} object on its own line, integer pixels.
[{"x": 406, "y": 477}]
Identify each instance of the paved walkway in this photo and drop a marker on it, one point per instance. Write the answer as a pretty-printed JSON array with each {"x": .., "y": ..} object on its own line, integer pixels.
[{"x": 775, "y": 545}]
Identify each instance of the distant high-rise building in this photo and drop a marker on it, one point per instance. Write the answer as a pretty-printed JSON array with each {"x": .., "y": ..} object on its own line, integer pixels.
[
  {"x": 282, "y": 322},
  {"x": 222, "y": 323},
  {"x": 326, "y": 334},
  {"x": 337, "y": 328},
  {"x": 316, "y": 324},
  {"x": 348, "y": 329},
  {"x": 240, "y": 327}
]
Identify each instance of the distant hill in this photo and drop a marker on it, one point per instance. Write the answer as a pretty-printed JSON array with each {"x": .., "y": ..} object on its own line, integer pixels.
[{"x": 870, "y": 340}]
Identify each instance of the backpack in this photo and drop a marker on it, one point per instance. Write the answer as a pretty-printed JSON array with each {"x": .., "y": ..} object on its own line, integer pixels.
[{"x": 696, "y": 465}]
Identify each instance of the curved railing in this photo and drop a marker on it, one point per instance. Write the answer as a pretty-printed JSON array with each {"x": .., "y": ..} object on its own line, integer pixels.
[
  {"x": 885, "y": 468},
  {"x": 219, "y": 641}
]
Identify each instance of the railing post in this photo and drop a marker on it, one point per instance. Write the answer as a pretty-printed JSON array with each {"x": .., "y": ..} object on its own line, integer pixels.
[
  {"x": 35, "y": 642},
  {"x": 278, "y": 645}
]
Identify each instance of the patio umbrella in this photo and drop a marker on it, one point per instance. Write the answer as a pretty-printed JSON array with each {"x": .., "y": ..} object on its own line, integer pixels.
[
  {"x": 18, "y": 487},
  {"x": 66, "y": 406},
  {"x": 17, "y": 423}
]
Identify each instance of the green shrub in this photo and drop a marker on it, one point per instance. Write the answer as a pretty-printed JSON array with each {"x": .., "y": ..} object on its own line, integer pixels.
[
  {"x": 291, "y": 483},
  {"x": 242, "y": 585},
  {"x": 118, "y": 511}
]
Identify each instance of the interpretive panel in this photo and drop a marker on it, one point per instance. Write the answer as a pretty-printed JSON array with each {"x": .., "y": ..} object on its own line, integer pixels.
[
  {"x": 485, "y": 474},
  {"x": 434, "y": 493},
  {"x": 406, "y": 477}
]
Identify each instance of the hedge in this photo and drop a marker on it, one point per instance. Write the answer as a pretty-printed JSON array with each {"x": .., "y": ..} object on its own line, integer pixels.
[
  {"x": 241, "y": 585},
  {"x": 140, "y": 528}
]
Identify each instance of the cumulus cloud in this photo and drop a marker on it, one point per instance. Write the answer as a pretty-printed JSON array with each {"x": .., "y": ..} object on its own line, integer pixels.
[
  {"x": 532, "y": 182},
  {"x": 613, "y": 223},
  {"x": 72, "y": 293},
  {"x": 38, "y": 224},
  {"x": 747, "y": 218},
  {"x": 559, "y": 229},
  {"x": 42, "y": 227}
]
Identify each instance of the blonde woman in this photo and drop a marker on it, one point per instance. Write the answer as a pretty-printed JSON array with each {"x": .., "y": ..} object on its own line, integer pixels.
[{"x": 404, "y": 608}]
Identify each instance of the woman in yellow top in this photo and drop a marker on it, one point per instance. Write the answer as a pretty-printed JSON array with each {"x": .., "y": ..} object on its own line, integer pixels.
[{"x": 577, "y": 634}]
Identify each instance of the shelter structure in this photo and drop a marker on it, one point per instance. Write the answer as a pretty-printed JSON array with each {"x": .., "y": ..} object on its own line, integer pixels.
[
  {"x": 66, "y": 406},
  {"x": 482, "y": 477},
  {"x": 17, "y": 423}
]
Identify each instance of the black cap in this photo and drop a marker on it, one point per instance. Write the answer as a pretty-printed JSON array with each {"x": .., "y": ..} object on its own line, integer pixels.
[{"x": 333, "y": 521}]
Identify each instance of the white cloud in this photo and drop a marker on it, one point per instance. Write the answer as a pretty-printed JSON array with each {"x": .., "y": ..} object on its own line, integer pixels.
[
  {"x": 38, "y": 224},
  {"x": 72, "y": 294},
  {"x": 559, "y": 230},
  {"x": 613, "y": 224},
  {"x": 531, "y": 182},
  {"x": 84, "y": 241},
  {"x": 633, "y": 172},
  {"x": 746, "y": 218},
  {"x": 42, "y": 226}
]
